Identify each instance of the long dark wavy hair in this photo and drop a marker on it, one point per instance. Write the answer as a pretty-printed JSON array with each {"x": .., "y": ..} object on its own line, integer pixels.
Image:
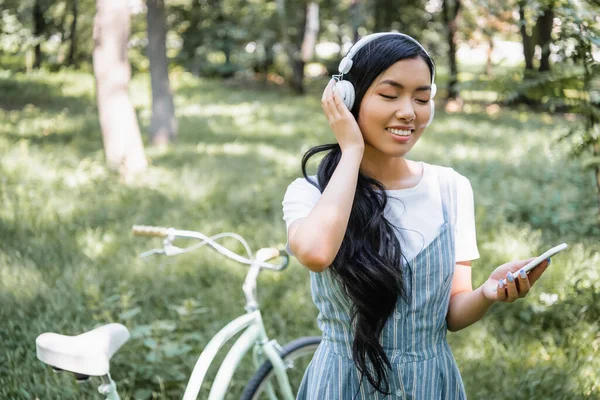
[{"x": 368, "y": 263}]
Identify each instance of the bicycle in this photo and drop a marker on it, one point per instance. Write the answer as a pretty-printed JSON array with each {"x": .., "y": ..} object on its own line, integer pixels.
[{"x": 88, "y": 355}]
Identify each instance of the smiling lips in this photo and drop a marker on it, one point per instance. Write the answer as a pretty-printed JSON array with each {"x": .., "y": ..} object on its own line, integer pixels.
[
  {"x": 401, "y": 127},
  {"x": 399, "y": 132}
]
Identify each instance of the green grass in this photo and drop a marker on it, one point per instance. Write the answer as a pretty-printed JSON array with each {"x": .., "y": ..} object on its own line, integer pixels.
[{"x": 68, "y": 262}]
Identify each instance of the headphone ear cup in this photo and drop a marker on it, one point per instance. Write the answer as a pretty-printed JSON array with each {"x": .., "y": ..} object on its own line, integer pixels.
[
  {"x": 432, "y": 112},
  {"x": 346, "y": 91}
]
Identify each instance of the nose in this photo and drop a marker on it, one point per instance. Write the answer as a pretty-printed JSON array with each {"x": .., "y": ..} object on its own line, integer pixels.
[{"x": 405, "y": 110}]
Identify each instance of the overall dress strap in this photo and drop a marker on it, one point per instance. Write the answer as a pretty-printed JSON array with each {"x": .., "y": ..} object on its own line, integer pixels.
[{"x": 447, "y": 181}]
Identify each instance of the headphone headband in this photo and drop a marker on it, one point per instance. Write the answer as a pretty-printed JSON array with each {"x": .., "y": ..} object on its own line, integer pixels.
[{"x": 346, "y": 62}]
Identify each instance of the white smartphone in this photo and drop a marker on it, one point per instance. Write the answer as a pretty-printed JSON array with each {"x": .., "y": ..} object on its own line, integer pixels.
[{"x": 540, "y": 259}]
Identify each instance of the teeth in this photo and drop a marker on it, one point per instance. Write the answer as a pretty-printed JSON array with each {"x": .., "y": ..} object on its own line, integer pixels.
[{"x": 399, "y": 132}]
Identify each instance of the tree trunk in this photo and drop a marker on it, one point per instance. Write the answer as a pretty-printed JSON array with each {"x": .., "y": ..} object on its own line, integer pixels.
[
  {"x": 39, "y": 26},
  {"x": 267, "y": 55},
  {"x": 384, "y": 13},
  {"x": 73, "y": 35},
  {"x": 62, "y": 36},
  {"x": 596, "y": 150},
  {"x": 378, "y": 16},
  {"x": 544, "y": 34},
  {"x": 527, "y": 40},
  {"x": 163, "y": 125},
  {"x": 298, "y": 63},
  {"x": 311, "y": 32},
  {"x": 450, "y": 18},
  {"x": 270, "y": 41},
  {"x": 488, "y": 65},
  {"x": 296, "y": 80},
  {"x": 356, "y": 19},
  {"x": 120, "y": 132}
]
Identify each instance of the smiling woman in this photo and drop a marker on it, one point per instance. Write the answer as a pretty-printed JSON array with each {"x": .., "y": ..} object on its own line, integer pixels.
[
  {"x": 389, "y": 241},
  {"x": 381, "y": 296}
]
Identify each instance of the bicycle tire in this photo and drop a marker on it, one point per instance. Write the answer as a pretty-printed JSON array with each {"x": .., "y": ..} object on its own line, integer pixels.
[{"x": 291, "y": 351}]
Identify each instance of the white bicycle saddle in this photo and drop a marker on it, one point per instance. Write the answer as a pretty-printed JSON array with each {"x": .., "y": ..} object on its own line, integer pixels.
[{"x": 85, "y": 354}]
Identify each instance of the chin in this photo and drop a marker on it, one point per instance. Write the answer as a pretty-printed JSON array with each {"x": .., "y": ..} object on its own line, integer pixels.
[{"x": 390, "y": 152}]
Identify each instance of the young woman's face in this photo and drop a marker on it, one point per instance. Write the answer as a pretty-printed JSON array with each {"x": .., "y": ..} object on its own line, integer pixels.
[{"x": 399, "y": 98}]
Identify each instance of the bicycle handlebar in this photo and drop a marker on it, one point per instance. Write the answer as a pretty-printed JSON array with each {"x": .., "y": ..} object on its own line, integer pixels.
[
  {"x": 261, "y": 258},
  {"x": 153, "y": 231}
]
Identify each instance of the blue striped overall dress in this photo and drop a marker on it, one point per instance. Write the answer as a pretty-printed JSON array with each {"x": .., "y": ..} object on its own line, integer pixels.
[{"x": 414, "y": 337}]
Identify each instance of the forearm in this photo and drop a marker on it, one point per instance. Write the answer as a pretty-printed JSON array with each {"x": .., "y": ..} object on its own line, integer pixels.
[
  {"x": 466, "y": 308},
  {"x": 319, "y": 235}
]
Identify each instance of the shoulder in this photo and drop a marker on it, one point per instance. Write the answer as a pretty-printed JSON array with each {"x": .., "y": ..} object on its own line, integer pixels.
[
  {"x": 300, "y": 187},
  {"x": 299, "y": 199},
  {"x": 452, "y": 175}
]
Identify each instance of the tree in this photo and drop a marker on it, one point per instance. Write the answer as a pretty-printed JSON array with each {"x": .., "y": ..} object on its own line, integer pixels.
[
  {"x": 384, "y": 13},
  {"x": 543, "y": 30},
  {"x": 580, "y": 25},
  {"x": 450, "y": 10},
  {"x": 528, "y": 46},
  {"x": 222, "y": 37},
  {"x": 357, "y": 17},
  {"x": 39, "y": 30},
  {"x": 481, "y": 21},
  {"x": 541, "y": 14},
  {"x": 120, "y": 132},
  {"x": 311, "y": 31},
  {"x": 572, "y": 85},
  {"x": 292, "y": 39},
  {"x": 73, "y": 34},
  {"x": 163, "y": 125}
]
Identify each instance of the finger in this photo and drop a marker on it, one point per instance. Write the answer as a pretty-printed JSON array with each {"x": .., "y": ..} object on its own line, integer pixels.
[
  {"x": 524, "y": 284},
  {"x": 535, "y": 273},
  {"x": 328, "y": 104},
  {"x": 501, "y": 290},
  {"x": 339, "y": 102},
  {"x": 511, "y": 288},
  {"x": 326, "y": 89},
  {"x": 333, "y": 99}
]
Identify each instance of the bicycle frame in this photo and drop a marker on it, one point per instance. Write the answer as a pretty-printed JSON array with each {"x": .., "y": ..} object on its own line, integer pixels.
[
  {"x": 254, "y": 334},
  {"x": 108, "y": 388},
  {"x": 251, "y": 323}
]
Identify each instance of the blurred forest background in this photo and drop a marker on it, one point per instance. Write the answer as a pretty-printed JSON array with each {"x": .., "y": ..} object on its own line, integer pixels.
[{"x": 196, "y": 113}]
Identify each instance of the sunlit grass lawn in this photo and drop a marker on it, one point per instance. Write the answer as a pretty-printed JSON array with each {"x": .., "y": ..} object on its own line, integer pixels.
[{"x": 68, "y": 262}]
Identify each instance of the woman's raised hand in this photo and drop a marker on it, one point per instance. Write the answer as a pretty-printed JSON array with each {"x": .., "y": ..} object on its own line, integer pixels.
[
  {"x": 341, "y": 120},
  {"x": 504, "y": 284}
]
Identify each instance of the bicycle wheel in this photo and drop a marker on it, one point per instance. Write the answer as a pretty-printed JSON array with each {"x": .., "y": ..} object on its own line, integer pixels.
[{"x": 296, "y": 355}]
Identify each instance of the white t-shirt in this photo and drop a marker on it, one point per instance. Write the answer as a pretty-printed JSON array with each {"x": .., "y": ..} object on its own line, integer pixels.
[{"x": 416, "y": 211}]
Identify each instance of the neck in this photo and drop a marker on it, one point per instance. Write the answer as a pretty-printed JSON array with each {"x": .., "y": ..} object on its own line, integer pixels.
[{"x": 392, "y": 172}]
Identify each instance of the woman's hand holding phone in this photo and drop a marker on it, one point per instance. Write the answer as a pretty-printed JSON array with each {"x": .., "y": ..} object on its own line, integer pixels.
[
  {"x": 341, "y": 120},
  {"x": 506, "y": 285},
  {"x": 513, "y": 280}
]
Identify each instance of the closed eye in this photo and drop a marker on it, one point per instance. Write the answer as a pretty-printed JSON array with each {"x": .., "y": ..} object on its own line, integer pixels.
[{"x": 393, "y": 97}]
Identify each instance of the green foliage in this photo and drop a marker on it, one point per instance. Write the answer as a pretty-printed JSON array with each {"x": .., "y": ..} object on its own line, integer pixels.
[
  {"x": 69, "y": 263},
  {"x": 573, "y": 85},
  {"x": 207, "y": 37},
  {"x": 213, "y": 35},
  {"x": 17, "y": 38}
]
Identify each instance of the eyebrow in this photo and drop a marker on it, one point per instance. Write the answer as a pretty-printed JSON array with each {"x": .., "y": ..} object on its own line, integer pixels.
[{"x": 401, "y": 86}]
